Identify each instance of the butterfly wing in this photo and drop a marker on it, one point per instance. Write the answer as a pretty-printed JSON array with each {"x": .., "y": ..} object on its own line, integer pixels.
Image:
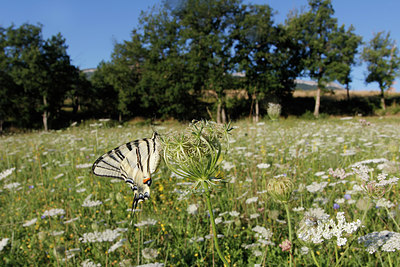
[{"x": 134, "y": 162}]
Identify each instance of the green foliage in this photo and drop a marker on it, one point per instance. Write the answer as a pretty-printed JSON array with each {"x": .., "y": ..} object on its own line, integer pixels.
[
  {"x": 328, "y": 51},
  {"x": 383, "y": 62},
  {"x": 38, "y": 70}
]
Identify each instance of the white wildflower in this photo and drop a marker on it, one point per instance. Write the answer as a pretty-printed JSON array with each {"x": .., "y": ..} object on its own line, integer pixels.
[
  {"x": 304, "y": 250},
  {"x": 57, "y": 233},
  {"x": 106, "y": 236},
  {"x": 386, "y": 240},
  {"x": 262, "y": 232},
  {"x": 71, "y": 220},
  {"x": 84, "y": 165},
  {"x": 234, "y": 213},
  {"x": 228, "y": 166},
  {"x": 3, "y": 243},
  {"x": 146, "y": 222},
  {"x": 316, "y": 187},
  {"x": 254, "y": 216},
  {"x": 29, "y": 223},
  {"x": 80, "y": 190},
  {"x": 12, "y": 186},
  {"x": 89, "y": 263},
  {"x": 156, "y": 264},
  {"x": 263, "y": 165},
  {"x": 383, "y": 202},
  {"x": 251, "y": 200},
  {"x": 317, "y": 232},
  {"x": 116, "y": 245},
  {"x": 6, "y": 173},
  {"x": 218, "y": 220},
  {"x": 149, "y": 253},
  {"x": 319, "y": 173},
  {"x": 90, "y": 203},
  {"x": 338, "y": 173},
  {"x": 53, "y": 212},
  {"x": 58, "y": 176},
  {"x": 192, "y": 209},
  {"x": 297, "y": 209}
]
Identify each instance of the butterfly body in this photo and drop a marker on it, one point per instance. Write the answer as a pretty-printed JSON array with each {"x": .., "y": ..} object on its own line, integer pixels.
[{"x": 133, "y": 162}]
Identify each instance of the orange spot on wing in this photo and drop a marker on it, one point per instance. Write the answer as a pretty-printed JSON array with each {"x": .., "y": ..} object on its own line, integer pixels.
[{"x": 145, "y": 180}]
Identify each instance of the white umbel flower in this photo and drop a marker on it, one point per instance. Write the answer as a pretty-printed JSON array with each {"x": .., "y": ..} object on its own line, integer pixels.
[{"x": 386, "y": 240}]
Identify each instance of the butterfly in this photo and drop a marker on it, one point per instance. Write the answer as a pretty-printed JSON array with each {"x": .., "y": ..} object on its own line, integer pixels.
[{"x": 133, "y": 162}]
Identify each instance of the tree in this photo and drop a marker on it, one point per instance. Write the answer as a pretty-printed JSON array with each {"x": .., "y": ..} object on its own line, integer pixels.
[
  {"x": 207, "y": 35},
  {"x": 41, "y": 69},
  {"x": 345, "y": 44},
  {"x": 316, "y": 31},
  {"x": 383, "y": 62},
  {"x": 267, "y": 56}
]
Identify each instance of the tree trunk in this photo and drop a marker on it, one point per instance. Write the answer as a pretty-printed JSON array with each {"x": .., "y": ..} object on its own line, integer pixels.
[
  {"x": 223, "y": 115},
  {"x": 317, "y": 102},
  {"x": 219, "y": 111},
  {"x": 1, "y": 126},
  {"x": 383, "y": 105},
  {"x": 257, "y": 111},
  {"x": 45, "y": 114},
  {"x": 348, "y": 92},
  {"x": 120, "y": 117}
]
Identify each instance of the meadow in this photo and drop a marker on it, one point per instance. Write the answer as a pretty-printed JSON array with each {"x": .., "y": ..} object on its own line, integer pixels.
[{"x": 342, "y": 205}]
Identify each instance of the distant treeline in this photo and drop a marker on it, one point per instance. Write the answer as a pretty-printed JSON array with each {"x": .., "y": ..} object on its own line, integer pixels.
[{"x": 182, "y": 61}]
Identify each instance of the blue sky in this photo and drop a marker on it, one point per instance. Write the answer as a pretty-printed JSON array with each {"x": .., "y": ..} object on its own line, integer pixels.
[{"x": 91, "y": 28}]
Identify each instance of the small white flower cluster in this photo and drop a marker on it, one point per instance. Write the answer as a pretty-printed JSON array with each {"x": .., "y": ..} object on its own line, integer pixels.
[
  {"x": 263, "y": 235},
  {"x": 386, "y": 240},
  {"x": 90, "y": 203},
  {"x": 263, "y": 165},
  {"x": 317, "y": 232},
  {"x": 192, "y": 209},
  {"x": 116, "y": 245},
  {"x": 146, "y": 222},
  {"x": 53, "y": 212},
  {"x": 228, "y": 166},
  {"x": 149, "y": 253},
  {"x": 29, "y": 223},
  {"x": 384, "y": 203},
  {"x": 274, "y": 110},
  {"x": 6, "y": 173},
  {"x": 338, "y": 173},
  {"x": 316, "y": 187},
  {"x": 251, "y": 200},
  {"x": 374, "y": 187},
  {"x": 12, "y": 186},
  {"x": 108, "y": 235},
  {"x": 89, "y": 263},
  {"x": 84, "y": 165},
  {"x": 3, "y": 243}
]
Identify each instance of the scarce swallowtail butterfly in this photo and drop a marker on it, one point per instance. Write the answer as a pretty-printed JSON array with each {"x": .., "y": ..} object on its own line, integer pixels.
[{"x": 133, "y": 162}]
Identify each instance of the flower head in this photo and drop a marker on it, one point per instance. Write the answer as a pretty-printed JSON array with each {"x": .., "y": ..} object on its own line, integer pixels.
[
  {"x": 286, "y": 245},
  {"x": 280, "y": 188},
  {"x": 196, "y": 153}
]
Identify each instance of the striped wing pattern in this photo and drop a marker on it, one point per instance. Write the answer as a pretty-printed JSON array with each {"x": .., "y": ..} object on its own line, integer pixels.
[{"x": 134, "y": 162}]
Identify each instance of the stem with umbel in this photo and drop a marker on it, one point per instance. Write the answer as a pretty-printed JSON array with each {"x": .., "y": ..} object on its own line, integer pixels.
[
  {"x": 290, "y": 230},
  {"x": 214, "y": 229}
]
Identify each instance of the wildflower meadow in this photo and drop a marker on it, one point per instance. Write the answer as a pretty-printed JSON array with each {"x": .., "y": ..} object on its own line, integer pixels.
[{"x": 280, "y": 192}]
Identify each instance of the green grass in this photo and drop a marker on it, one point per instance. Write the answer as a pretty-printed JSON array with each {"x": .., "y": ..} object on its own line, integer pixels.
[{"x": 48, "y": 168}]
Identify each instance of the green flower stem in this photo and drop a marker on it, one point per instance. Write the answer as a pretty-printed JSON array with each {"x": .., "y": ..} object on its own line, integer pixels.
[
  {"x": 290, "y": 230},
  {"x": 390, "y": 260},
  {"x": 214, "y": 229},
  {"x": 315, "y": 260},
  {"x": 390, "y": 215}
]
